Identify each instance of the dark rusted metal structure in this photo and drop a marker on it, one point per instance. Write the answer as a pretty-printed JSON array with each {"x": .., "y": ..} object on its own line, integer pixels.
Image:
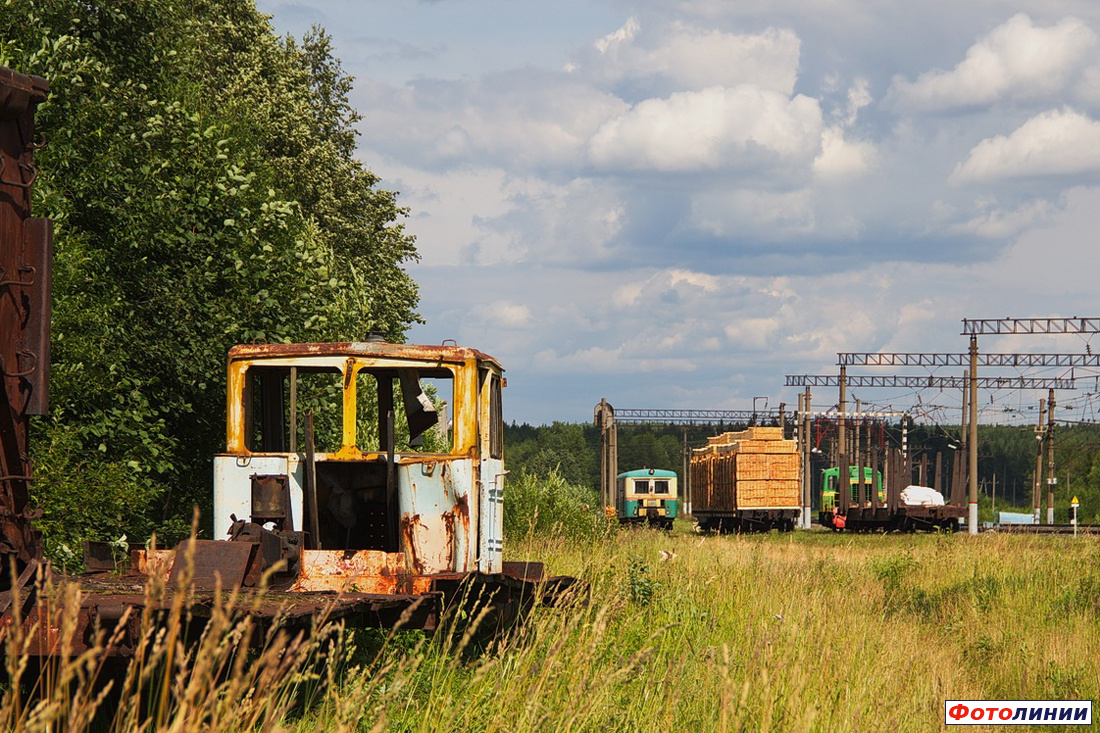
[{"x": 25, "y": 256}]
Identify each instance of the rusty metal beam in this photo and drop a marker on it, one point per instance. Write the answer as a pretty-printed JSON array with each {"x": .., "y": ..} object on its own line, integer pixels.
[{"x": 25, "y": 255}]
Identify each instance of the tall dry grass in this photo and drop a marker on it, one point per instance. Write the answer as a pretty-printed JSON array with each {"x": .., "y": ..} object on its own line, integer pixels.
[
  {"x": 195, "y": 666},
  {"x": 802, "y": 632},
  {"x": 810, "y": 631}
]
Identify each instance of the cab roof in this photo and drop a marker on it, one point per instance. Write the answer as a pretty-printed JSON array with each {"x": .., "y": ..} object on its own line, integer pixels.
[
  {"x": 377, "y": 349},
  {"x": 647, "y": 473}
]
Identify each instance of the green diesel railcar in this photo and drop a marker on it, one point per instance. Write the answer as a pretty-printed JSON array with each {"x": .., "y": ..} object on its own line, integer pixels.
[{"x": 647, "y": 495}]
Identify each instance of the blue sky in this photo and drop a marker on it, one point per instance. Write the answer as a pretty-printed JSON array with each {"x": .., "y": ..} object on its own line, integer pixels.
[{"x": 674, "y": 203}]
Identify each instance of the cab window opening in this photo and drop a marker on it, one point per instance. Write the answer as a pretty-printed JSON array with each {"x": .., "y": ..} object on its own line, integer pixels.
[{"x": 277, "y": 400}]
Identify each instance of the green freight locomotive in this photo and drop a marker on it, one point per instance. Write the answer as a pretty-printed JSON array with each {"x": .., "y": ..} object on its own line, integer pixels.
[
  {"x": 647, "y": 495},
  {"x": 830, "y": 479}
]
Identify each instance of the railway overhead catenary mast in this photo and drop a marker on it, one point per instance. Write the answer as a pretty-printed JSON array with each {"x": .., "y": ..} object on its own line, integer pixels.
[
  {"x": 989, "y": 326},
  {"x": 931, "y": 382},
  {"x": 973, "y": 327}
]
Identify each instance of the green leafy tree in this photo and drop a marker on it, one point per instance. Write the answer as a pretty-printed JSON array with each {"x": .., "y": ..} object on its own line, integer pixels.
[
  {"x": 201, "y": 175},
  {"x": 562, "y": 448}
]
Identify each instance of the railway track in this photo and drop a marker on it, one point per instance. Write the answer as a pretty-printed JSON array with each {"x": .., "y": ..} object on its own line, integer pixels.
[{"x": 1046, "y": 529}]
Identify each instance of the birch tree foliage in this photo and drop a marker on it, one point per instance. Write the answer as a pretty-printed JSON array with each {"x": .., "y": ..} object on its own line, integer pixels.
[{"x": 201, "y": 175}]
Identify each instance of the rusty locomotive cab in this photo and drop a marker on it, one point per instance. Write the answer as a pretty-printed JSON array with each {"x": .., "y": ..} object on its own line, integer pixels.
[{"x": 369, "y": 470}]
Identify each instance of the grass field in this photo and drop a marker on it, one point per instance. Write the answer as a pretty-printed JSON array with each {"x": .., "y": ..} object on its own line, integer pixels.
[{"x": 806, "y": 631}]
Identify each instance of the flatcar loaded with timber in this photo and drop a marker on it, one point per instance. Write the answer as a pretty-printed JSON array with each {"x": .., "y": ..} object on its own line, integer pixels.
[{"x": 746, "y": 481}]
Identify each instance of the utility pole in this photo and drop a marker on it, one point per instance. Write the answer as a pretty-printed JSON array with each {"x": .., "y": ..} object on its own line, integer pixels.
[
  {"x": 843, "y": 487},
  {"x": 801, "y": 434},
  {"x": 609, "y": 451},
  {"x": 994, "y": 501},
  {"x": 686, "y": 482},
  {"x": 972, "y": 519},
  {"x": 807, "y": 466},
  {"x": 857, "y": 449},
  {"x": 1037, "y": 480},
  {"x": 959, "y": 477},
  {"x": 1051, "y": 478}
]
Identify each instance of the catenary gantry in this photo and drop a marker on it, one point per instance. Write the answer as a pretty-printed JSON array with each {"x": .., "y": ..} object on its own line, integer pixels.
[
  {"x": 922, "y": 382},
  {"x": 1021, "y": 361}
]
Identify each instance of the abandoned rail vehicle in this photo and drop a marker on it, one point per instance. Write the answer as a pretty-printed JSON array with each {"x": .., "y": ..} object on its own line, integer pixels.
[
  {"x": 342, "y": 466},
  {"x": 647, "y": 496},
  {"x": 375, "y": 475},
  {"x": 746, "y": 481}
]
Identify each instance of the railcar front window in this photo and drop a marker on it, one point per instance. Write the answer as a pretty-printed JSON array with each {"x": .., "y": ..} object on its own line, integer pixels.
[
  {"x": 276, "y": 406},
  {"x": 277, "y": 400},
  {"x": 641, "y": 487},
  {"x": 660, "y": 487},
  {"x": 420, "y": 400}
]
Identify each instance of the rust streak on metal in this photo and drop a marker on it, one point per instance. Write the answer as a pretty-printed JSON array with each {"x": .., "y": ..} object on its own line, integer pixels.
[
  {"x": 409, "y": 523},
  {"x": 449, "y": 538},
  {"x": 462, "y": 509},
  {"x": 365, "y": 571}
]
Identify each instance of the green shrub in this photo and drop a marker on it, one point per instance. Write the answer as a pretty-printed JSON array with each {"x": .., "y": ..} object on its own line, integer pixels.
[
  {"x": 551, "y": 506},
  {"x": 85, "y": 497},
  {"x": 640, "y": 585}
]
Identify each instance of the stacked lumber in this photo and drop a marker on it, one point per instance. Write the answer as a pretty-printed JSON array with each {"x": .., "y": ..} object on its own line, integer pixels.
[{"x": 747, "y": 469}]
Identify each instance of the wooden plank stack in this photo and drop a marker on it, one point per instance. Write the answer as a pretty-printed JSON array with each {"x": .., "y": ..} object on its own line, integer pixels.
[{"x": 748, "y": 469}]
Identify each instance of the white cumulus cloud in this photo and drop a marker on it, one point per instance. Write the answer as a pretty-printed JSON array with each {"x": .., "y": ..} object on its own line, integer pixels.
[
  {"x": 1056, "y": 143},
  {"x": 504, "y": 314},
  {"x": 995, "y": 222},
  {"x": 841, "y": 158},
  {"x": 692, "y": 58},
  {"x": 744, "y": 127},
  {"x": 1017, "y": 60}
]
